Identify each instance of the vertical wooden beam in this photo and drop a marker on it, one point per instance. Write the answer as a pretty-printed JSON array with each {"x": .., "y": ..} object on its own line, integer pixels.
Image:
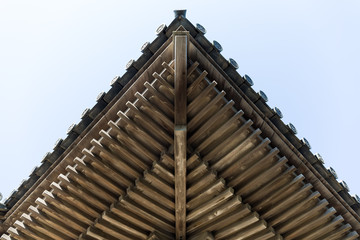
[
  {"x": 180, "y": 55},
  {"x": 180, "y": 131}
]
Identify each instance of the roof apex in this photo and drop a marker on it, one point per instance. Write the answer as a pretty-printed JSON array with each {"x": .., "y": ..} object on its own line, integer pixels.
[{"x": 180, "y": 13}]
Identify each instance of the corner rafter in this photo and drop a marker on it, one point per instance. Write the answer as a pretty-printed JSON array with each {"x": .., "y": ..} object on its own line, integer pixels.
[{"x": 180, "y": 39}]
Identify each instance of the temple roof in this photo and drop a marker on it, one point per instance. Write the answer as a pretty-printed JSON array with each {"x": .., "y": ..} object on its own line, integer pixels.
[{"x": 248, "y": 174}]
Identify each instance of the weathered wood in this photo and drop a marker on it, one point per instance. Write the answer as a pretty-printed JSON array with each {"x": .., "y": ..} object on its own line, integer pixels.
[
  {"x": 163, "y": 82},
  {"x": 203, "y": 130},
  {"x": 234, "y": 154},
  {"x": 213, "y": 190},
  {"x": 213, "y": 106},
  {"x": 296, "y": 209},
  {"x": 44, "y": 219},
  {"x": 180, "y": 181},
  {"x": 70, "y": 210},
  {"x": 221, "y": 130},
  {"x": 198, "y": 187},
  {"x": 301, "y": 193},
  {"x": 337, "y": 233},
  {"x": 113, "y": 232},
  {"x": 145, "y": 135},
  {"x": 98, "y": 177},
  {"x": 72, "y": 200},
  {"x": 262, "y": 178},
  {"x": 102, "y": 166},
  {"x": 202, "y": 97},
  {"x": 149, "y": 123},
  {"x": 316, "y": 229},
  {"x": 193, "y": 162},
  {"x": 123, "y": 224},
  {"x": 157, "y": 182},
  {"x": 197, "y": 172},
  {"x": 39, "y": 229},
  {"x": 251, "y": 230},
  {"x": 239, "y": 225},
  {"x": 180, "y": 55},
  {"x": 30, "y": 233},
  {"x": 131, "y": 143},
  {"x": 128, "y": 156},
  {"x": 196, "y": 82},
  {"x": 203, "y": 236},
  {"x": 155, "y": 112},
  {"x": 231, "y": 217},
  {"x": 228, "y": 143},
  {"x": 154, "y": 193},
  {"x": 271, "y": 186},
  {"x": 168, "y": 106},
  {"x": 14, "y": 233},
  {"x": 98, "y": 234},
  {"x": 275, "y": 135},
  {"x": 150, "y": 204},
  {"x": 246, "y": 165},
  {"x": 90, "y": 185},
  {"x": 115, "y": 161},
  {"x": 311, "y": 221},
  {"x": 192, "y": 69},
  {"x": 211, "y": 217},
  {"x": 180, "y": 130},
  {"x": 283, "y": 192},
  {"x": 161, "y": 171},
  {"x": 168, "y": 68},
  {"x": 143, "y": 213},
  {"x": 305, "y": 217},
  {"x": 167, "y": 161},
  {"x": 7, "y": 237},
  {"x": 130, "y": 218},
  {"x": 60, "y": 216},
  {"x": 210, "y": 205}
]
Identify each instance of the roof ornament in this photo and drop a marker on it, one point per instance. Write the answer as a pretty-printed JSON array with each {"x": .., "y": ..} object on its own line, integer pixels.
[
  {"x": 58, "y": 143},
  {"x": 319, "y": 157},
  {"x": 357, "y": 198},
  {"x": 1, "y": 196},
  {"x": 344, "y": 185},
  {"x": 129, "y": 64},
  {"x": 114, "y": 80},
  {"x": 85, "y": 112},
  {"x": 306, "y": 142},
  {"x": 217, "y": 46},
  {"x": 233, "y": 63},
  {"x": 161, "y": 29},
  {"x": 278, "y": 112},
  {"x": 249, "y": 80},
  {"x": 292, "y": 128},
  {"x": 200, "y": 28},
  {"x": 333, "y": 172},
  {"x": 180, "y": 13},
  {"x": 263, "y": 96},
  {"x": 145, "y": 46},
  {"x": 72, "y": 126}
]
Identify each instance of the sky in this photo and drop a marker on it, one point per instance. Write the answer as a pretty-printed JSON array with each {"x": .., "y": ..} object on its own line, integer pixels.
[{"x": 57, "y": 56}]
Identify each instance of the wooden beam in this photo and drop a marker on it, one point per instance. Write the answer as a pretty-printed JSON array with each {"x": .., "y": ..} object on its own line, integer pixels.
[{"x": 180, "y": 131}]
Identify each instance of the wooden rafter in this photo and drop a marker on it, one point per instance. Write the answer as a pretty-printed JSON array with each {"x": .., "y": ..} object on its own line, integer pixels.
[{"x": 180, "y": 160}]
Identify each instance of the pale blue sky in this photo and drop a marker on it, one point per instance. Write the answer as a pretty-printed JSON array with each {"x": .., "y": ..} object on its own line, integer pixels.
[{"x": 56, "y": 56}]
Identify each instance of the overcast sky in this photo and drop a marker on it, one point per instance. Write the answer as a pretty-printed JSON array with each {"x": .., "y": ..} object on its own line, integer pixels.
[{"x": 56, "y": 56}]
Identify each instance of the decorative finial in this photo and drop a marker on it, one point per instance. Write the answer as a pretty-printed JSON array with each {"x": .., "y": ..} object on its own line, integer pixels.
[{"x": 180, "y": 13}]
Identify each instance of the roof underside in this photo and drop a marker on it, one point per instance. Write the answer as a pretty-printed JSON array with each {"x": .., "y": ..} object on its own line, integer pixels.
[{"x": 244, "y": 179}]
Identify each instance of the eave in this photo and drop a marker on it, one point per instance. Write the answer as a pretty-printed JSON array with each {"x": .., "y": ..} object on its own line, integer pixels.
[{"x": 253, "y": 117}]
